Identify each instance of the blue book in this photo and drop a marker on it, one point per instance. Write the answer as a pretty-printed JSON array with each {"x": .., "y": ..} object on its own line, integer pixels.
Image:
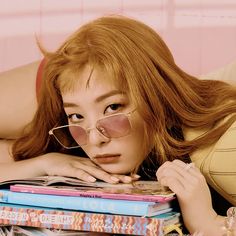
[{"x": 100, "y": 205}]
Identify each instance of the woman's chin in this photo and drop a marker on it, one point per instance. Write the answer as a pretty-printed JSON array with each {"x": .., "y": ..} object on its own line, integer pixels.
[{"x": 116, "y": 169}]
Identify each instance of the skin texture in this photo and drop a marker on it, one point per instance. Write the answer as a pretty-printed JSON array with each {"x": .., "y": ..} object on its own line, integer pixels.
[
  {"x": 18, "y": 102},
  {"x": 103, "y": 98},
  {"x": 193, "y": 195}
]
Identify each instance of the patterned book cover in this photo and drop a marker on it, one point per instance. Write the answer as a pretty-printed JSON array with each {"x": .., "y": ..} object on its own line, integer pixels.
[{"x": 11, "y": 214}]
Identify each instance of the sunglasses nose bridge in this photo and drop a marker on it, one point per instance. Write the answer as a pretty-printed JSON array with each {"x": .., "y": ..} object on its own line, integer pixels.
[{"x": 96, "y": 136}]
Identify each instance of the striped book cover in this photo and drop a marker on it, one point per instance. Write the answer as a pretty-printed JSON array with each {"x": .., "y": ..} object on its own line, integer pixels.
[{"x": 21, "y": 215}]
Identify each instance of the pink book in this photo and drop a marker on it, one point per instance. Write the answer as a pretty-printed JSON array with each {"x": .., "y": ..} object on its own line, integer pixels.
[{"x": 150, "y": 191}]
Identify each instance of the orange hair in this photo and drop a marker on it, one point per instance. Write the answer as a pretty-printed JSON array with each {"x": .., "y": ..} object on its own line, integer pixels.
[{"x": 141, "y": 63}]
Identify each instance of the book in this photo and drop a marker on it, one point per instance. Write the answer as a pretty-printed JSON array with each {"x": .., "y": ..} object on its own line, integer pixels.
[
  {"x": 15, "y": 230},
  {"x": 21, "y": 215},
  {"x": 123, "y": 207},
  {"x": 48, "y": 180},
  {"x": 59, "y": 185},
  {"x": 120, "y": 191}
]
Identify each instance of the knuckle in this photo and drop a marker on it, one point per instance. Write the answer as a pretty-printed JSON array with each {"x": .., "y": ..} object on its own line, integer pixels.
[
  {"x": 176, "y": 161},
  {"x": 202, "y": 179},
  {"x": 166, "y": 164},
  {"x": 82, "y": 174}
]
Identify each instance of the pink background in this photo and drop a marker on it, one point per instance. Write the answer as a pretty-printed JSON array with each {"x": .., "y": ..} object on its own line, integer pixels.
[{"x": 200, "y": 33}]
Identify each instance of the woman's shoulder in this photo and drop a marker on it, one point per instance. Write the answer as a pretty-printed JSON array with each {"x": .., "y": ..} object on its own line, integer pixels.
[
  {"x": 226, "y": 73},
  {"x": 17, "y": 90}
]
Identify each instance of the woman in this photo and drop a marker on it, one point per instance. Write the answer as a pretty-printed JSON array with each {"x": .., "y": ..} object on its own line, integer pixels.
[
  {"x": 18, "y": 104},
  {"x": 113, "y": 95}
]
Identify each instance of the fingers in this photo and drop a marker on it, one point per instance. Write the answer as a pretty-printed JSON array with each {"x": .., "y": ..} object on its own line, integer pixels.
[
  {"x": 178, "y": 176},
  {"x": 88, "y": 171},
  {"x": 77, "y": 167},
  {"x": 198, "y": 234},
  {"x": 81, "y": 168},
  {"x": 180, "y": 166},
  {"x": 91, "y": 173},
  {"x": 91, "y": 168},
  {"x": 126, "y": 178},
  {"x": 110, "y": 178},
  {"x": 80, "y": 174},
  {"x": 181, "y": 169}
]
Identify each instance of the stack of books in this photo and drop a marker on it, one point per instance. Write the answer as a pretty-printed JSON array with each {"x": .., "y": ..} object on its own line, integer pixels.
[{"x": 53, "y": 202}]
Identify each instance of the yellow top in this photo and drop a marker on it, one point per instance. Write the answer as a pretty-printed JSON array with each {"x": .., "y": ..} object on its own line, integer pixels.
[{"x": 218, "y": 162}]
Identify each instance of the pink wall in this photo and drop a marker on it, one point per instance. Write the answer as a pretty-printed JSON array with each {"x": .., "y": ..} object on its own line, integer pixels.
[{"x": 201, "y": 34}]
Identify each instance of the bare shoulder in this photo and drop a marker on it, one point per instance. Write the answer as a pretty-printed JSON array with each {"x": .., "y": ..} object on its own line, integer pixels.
[
  {"x": 226, "y": 73},
  {"x": 17, "y": 99}
]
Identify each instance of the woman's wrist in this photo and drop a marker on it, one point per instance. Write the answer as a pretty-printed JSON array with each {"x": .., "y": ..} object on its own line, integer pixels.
[
  {"x": 45, "y": 162},
  {"x": 229, "y": 227},
  {"x": 208, "y": 223},
  {"x": 223, "y": 226}
]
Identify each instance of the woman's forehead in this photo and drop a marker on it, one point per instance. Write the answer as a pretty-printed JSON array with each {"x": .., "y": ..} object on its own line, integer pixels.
[{"x": 87, "y": 76}]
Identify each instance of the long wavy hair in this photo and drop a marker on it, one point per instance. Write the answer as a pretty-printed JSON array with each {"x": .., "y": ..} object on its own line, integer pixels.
[{"x": 142, "y": 65}]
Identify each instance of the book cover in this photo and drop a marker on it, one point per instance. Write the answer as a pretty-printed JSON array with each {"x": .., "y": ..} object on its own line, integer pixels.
[
  {"x": 119, "y": 191},
  {"x": 134, "y": 188},
  {"x": 16, "y": 230},
  {"x": 123, "y": 207},
  {"x": 48, "y": 180},
  {"x": 11, "y": 214}
]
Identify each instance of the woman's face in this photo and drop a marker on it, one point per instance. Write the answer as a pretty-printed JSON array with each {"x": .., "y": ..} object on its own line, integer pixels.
[{"x": 96, "y": 98}]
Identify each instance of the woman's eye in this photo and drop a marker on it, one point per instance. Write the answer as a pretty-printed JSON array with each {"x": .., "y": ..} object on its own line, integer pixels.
[
  {"x": 75, "y": 118},
  {"x": 113, "y": 107}
]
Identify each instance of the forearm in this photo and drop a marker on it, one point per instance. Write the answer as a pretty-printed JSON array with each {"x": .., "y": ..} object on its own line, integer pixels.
[
  {"x": 209, "y": 223},
  {"x": 9, "y": 169},
  {"x": 21, "y": 169},
  {"x": 5, "y": 151},
  {"x": 53, "y": 164}
]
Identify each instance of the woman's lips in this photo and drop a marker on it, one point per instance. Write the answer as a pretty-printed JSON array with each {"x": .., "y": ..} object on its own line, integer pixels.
[{"x": 107, "y": 159}]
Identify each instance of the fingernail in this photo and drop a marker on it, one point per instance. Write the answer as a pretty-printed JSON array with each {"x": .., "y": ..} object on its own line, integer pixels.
[
  {"x": 91, "y": 179},
  {"x": 114, "y": 179},
  {"x": 127, "y": 179},
  {"x": 136, "y": 176}
]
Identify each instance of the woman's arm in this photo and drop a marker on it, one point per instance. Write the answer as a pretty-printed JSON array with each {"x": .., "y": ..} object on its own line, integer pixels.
[
  {"x": 53, "y": 164},
  {"x": 18, "y": 101},
  {"x": 50, "y": 164},
  {"x": 194, "y": 197}
]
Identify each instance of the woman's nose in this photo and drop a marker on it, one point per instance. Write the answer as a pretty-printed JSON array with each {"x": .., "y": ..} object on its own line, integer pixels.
[{"x": 96, "y": 137}]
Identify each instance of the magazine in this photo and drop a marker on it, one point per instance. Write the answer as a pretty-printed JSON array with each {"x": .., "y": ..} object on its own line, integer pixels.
[{"x": 66, "y": 186}]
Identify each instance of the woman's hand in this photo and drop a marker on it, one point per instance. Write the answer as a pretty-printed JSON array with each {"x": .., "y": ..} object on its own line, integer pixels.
[
  {"x": 193, "y": 195},
  {"x": 79, "y": 167}
]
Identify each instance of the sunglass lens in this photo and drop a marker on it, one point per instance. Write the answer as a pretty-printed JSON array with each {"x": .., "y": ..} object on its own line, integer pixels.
[
  {"x": 79, "y": 134},
  {"x": 114, "y": 126},
  {"x": 64, "y": 137}
]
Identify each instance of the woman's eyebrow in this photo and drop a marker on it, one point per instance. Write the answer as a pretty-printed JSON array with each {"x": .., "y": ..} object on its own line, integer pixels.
[
  {"x": 106, "y": 95},
  {"x": 97, "y": 100},
  {"x": 69, "y": 104}
]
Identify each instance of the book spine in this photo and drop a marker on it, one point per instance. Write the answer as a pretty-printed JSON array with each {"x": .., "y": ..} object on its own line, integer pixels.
[
  {"x": 124, "y": 207},
  {"x": 81, "y": 221}
]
